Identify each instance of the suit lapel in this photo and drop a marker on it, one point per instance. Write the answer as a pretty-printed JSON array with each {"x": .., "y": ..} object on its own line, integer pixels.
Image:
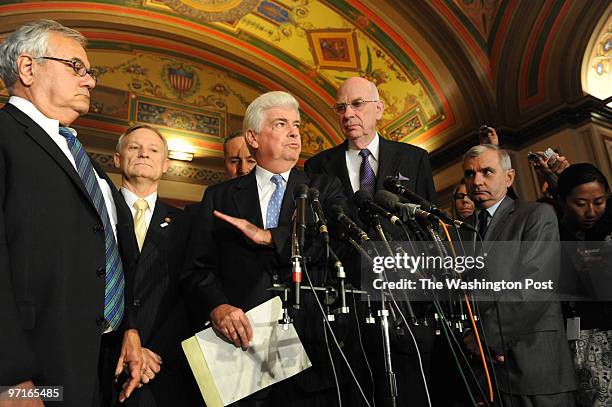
[
  {"x": 387, "y": 162},
  {"x": 246, "y": 199},
  {"x": 336, "y": 166},
  {"x": 36, "y": 133},
  {"x": 496, "y": 226}
]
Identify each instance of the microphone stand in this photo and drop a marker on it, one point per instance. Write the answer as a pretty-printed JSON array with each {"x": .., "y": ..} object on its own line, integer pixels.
[
  {"x": 296, "y": 266},
  {"x": 383, "y": 314}
]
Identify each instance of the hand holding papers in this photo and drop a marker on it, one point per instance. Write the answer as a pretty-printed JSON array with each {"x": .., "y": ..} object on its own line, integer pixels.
[{"x": 226, "y": 374}]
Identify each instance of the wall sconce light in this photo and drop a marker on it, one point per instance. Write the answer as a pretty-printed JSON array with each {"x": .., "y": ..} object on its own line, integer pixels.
[{"x": 180, "y": 155}]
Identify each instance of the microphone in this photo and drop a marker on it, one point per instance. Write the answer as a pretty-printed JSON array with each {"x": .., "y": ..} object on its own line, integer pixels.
[
  {"x": 313, "y": 198},
  {"x": 351, "y": 228},
  {"x": 299, "y": 194},
  {"x": 364, "y": 201},
  {"x": 394, "y": 185},
  {"x": 392, "y": 202}
]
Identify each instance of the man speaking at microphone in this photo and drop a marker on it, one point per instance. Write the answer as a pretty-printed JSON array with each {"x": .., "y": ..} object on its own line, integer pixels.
[
  {"x": 241, "y": 244},
  {"x": 362, "y": 163}
]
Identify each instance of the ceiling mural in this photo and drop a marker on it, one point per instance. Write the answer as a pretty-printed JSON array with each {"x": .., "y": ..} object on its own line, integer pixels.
[{"x": 191, "y": 67}]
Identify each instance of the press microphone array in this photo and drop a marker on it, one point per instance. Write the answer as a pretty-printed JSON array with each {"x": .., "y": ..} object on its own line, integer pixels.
[
  {"x": 350, "y": 227},
  {"x": 313, "y": 199},
  {"x": 391, "y": 202},
  {"x": 363, "y": 200},
  {"x": 394, "y": 185}
]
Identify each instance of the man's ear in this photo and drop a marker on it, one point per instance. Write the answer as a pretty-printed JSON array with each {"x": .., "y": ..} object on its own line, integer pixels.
[
  {"x": 25, "y": 69},
  {"x": 165, "y": 165},
  {"x": 510, "y": 177},
  {"x": 117, "y": 160},
  {"x": 380, "y": 108},
  {"x": 251, "y": 138}
]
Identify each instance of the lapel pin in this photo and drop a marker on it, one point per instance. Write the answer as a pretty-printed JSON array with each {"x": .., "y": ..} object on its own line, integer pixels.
[{"x": 166, "y": 222}]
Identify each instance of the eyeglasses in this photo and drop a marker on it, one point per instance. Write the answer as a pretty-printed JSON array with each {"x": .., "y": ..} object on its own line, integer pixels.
[
  {"x": 356, "y": 104},
  {"x": 78, "y": 66},
  {"x": 459, "y": 196}
]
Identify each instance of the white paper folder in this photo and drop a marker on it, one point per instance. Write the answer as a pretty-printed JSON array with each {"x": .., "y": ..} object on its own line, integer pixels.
[{"x": 226, "y": 374}]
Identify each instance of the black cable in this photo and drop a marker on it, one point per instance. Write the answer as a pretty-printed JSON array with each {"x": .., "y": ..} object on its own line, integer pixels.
[
  {"x": 331, "y": 361},
  {"x": 365, "y": 356}
]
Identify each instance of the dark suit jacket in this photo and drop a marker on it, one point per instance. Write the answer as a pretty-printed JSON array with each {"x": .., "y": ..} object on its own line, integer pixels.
[
  {"x": 394, "y": 159},
  {"x": 156, "y": 305},
  {"x": 534, "y": 341},
  {"x": 237, "y": 272},
  {"x": 52, "y": 264}
]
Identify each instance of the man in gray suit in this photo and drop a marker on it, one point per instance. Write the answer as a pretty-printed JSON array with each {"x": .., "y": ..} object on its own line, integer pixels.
[{"x": 525, "y": 334}]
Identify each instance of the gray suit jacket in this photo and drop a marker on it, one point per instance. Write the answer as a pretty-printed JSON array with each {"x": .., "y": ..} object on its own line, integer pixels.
[{"x": 527, "y": 328}]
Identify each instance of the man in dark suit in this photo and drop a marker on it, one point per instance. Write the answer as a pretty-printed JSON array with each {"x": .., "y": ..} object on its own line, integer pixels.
[
  {"x": 157, "y": 305},
  {"x": 524, "y": 330},
  {"x": 363, "y": 162},
  {"x": 61, "y": 278},
  {"x": 241, "y": 245},
  {"x": 359, "y": 107}
]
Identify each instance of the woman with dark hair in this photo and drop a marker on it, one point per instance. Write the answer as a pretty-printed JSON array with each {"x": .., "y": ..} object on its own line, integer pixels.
[
  {"x": 463, "y": 207},
  {"x": 583, "y": 191}
]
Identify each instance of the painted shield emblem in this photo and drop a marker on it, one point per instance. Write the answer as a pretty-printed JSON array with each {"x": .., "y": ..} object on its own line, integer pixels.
[{"x": 181, "y": 80}]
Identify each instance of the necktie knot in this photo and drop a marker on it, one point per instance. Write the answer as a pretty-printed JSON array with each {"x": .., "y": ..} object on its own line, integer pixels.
[
  {"x": 67, "y": 134},
  {"x": 277, "y": 179},
  {"x": 364, "y": 153},
  {"x": 141, "y": 204}
]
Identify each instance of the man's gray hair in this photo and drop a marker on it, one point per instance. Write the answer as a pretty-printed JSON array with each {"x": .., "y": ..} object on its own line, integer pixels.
[
  {"x": 254, "y": 115},
  {"x": 32, "y": 39},
  {"x": 135, "y": 127},
  {"x": 504, "y": 157}
]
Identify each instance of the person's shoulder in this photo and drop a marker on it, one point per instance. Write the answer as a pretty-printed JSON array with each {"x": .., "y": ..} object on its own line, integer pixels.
[{"x": 535, "y": 209}]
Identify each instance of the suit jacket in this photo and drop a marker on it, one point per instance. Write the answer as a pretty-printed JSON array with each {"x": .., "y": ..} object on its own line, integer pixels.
[
  {"x": 394, "y": 159},
  {"x": 52, "y": 264},
  {"x": 534, "y": 342},
  {"x": 156, "y": 305},
  {"x": 238, "y": 272}
]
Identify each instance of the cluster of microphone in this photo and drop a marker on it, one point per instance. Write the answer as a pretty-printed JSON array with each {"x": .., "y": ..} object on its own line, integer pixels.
[{"x": 396, "y": 203}]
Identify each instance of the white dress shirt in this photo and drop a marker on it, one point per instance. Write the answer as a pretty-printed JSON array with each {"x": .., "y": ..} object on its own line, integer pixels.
[
  {"x": 265, "y": 188},
  {"x": 131, "y": 198},
  {"x": 354, "y": 160},
  {"x": 51, "y": 127}
]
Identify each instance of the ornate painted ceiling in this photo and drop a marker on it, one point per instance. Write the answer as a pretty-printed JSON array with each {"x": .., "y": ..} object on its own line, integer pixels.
[{"x": 190, "y": 67}]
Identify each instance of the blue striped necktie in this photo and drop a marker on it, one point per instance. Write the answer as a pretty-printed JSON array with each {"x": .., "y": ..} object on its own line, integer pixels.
[
  {"x": 367, "y": 179},
  {"x": 115, "y": 281},
  {"x": 275, "y": 202}
]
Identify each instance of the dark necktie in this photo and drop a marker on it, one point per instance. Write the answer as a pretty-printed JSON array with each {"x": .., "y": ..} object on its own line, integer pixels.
[
  {"x": 483, "y": 222},
  {"x": 275, "y": 202},
  {"x": 115, "y": 281},
  {"x": 367, "y": 179}
]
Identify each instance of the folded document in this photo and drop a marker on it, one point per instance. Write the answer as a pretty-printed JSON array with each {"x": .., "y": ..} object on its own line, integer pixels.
[{"x": 226, "y": 374}]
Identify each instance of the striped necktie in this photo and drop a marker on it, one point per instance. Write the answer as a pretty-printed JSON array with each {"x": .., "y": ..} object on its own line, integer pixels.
[{"x": 115, "y": 281}]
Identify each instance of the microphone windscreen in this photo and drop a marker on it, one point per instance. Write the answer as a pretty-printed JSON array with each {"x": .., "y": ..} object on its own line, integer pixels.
[
  {"x": 386, "y": 199},
  {"x": 300, "y": 191},
  {"x": 360, "y": 197},
  {"x": 313, "y": 194}
]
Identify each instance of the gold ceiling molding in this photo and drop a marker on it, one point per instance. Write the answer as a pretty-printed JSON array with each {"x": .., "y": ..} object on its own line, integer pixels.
[{"x": 209, "y": 11}]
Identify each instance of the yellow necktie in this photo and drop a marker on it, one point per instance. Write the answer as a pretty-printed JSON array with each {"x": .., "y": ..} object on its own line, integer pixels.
[{"x": 140, "y": 222}]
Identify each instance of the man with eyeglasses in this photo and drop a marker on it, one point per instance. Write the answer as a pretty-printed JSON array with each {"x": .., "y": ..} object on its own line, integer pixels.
[
  {"x": 363, "y": 162},
  {"x": 62, "y": 230}
]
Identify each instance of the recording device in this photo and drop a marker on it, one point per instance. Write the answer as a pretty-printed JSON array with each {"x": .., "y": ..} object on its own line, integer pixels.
[
  {"x": 483, "y": 133},
  {"x": 392, "y": 202},
  {"x": 313, "y": 199},
  {"x": 300, "y": 194},
  {"x": 364, "y": 201},
  {"x": 350, "y": 227},
  {"x": 394, "y": 185},
  {"x": 534, "y": 158}
]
